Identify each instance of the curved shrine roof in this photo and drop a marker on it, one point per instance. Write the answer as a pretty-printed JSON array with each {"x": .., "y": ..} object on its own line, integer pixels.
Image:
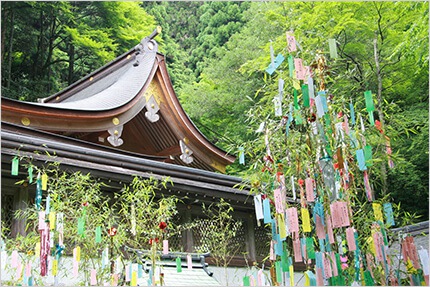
[{"x": 129, "y": 104}]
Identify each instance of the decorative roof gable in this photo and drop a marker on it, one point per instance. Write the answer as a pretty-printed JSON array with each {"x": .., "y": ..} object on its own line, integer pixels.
[{"x": 129, "y": 104}]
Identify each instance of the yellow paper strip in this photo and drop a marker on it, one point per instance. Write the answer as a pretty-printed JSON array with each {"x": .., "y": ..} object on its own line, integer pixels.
[
  {"x": 44, "y": 181},
  {"x": 52, "y": 218},
  {"x": 37, "y": 249},
  {"x": 291, "y": 275},
  {"x": 133, "y": 279},
  {"x": 281, "y": 225},
  {"x": 306, "y": 223},
  {"x": 78, "y": 253},
  {"x": 54, "y": 267},
  {"x": 377, "y": 211}
]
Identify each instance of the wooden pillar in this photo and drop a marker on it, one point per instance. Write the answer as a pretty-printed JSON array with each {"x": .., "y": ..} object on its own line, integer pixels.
[
  {"x": 250, "y": 237},
  {"x": 20, "y": 202},
  {"x": 187, "y": 235}
]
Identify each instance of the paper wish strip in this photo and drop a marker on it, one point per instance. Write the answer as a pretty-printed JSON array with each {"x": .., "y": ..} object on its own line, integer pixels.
[
  {"x": 291, "y": 41},
  {"x": 258, "y": 207}
]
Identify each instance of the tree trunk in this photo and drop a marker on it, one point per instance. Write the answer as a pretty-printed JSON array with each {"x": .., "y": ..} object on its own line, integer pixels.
[
  {"x": 71, "y": 54},
  {"x": 380, "y": 113},
  {"x": 10, "y": 50}
]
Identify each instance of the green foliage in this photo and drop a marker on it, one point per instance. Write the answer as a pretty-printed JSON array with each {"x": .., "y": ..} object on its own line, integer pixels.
[
  {"x": 219, "y": 239},
  {"x": 76, "y": 195},
  {"x": 234, "y": 93},
  {"x": 49, "y": 45},
  {"x": 138, "y": 229},
  {"x": 138, "y": 212}
]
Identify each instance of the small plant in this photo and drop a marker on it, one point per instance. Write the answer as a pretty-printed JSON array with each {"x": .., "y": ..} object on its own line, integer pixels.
[{"x": 220, "y": 237}]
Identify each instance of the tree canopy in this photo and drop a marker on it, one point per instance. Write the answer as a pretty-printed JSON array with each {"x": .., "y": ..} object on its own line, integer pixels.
[{"x": 217, "y": 53}]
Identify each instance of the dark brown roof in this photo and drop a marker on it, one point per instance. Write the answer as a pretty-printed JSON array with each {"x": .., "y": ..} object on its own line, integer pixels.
[{"x": 128, "y": 103}]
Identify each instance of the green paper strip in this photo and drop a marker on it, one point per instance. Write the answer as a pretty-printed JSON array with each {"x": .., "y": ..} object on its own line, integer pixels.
[
  {"x": 15, "y": 166},
  {"x": 371, "y": 118},
  {"x": 368, "y": 278},
  {"x": 246, "y": 280},
  {"x": 298, "y": 117},
  {"x": 310, "y": 250},
  {"x": 368, "y": 155},
  {"x": 178, "y": 264},
  {"x": 291, "y": 65},
  {"x": 278, "y": 266},
  {"x": 284, "y": 261},
  {"x": 81, "y": 226},
  {"x": 370, "y": 107},
  {"x": 338, "y": 262},
  {"x": 332, "y": 48},
  {"x": 98, "y": 234},
  {"x": 30, "y": 174},
  {"x": 305, "y": 92}
]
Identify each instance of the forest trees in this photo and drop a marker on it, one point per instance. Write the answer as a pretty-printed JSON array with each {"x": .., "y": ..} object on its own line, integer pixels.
[
  {"x": 235, "y": 80},
  {"x": 217, "y": 53},
  {"x": 48, "y": 45}
]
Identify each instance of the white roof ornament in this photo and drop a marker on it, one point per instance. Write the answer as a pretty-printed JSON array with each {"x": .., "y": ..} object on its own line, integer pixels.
[
  {"x": 152, "y": 109},
  {"x": 186, "y": 153},
  {"x": 115, "y": 136}
]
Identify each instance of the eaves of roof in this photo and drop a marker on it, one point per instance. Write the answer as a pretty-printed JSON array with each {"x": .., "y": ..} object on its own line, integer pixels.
[{"x": 119, "y": 166}]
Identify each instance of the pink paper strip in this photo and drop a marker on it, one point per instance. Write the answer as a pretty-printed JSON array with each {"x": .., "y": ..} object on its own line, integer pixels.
[
  {"x": 329, "y": 229},
  {"x": 378, "y": 242},
  {"x": 75, "y": 268},
  {"x": 293, "y": 219},
  {"x": 343, "y": 213},
  {"x": 114, "y": 279},
  {"x": 127, "y": 273},
  {"x": 165, "y": 246},
  {"x": 279, "y": 201},
  {"x": 14, "y": 259},
  {"x": 291, "y": 42},
  {"x": 333, "y": 264},
  {"x": 272, "y": 250},
  {"x": 367, "y": 186},
  {"x": 350, "y": 239},
  {"x": 310, "y": 197},
  {"x": 28, "y": 269},
  {"x": 300, "y": 71},
  {"x": 189, "y": 261},
  {"x": 42, "y": 223},
  {"x": 297, "y": 250},
  {"x": 320, "y": 228},
  {"x": 327, "y": 265},
  {"x": 19, "y": 270},
  {"x": 93, "y": 280},
  {"x": 319, "y": 277},
  {"x": 260, "y": 278}
]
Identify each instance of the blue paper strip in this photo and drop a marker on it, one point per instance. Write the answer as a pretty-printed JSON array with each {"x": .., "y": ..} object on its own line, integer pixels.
[
  {"x": 266, "y": 211},
  {"x": 388, "y": 211},
  {"x": 352, "y": 113},
  {"x": 273, "y": 225},
  {"x": 327, "y": 243},
  {"x": 318, "y": 260},
  {"x": 312, "y": 278},
  {"x": 139, "y": 271},
  {"x": 279, "y": 250},
  {"x": 360, "y": 159},
  {"x": 241, "y": 155},
  {"x": 322, "y": 245}
]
